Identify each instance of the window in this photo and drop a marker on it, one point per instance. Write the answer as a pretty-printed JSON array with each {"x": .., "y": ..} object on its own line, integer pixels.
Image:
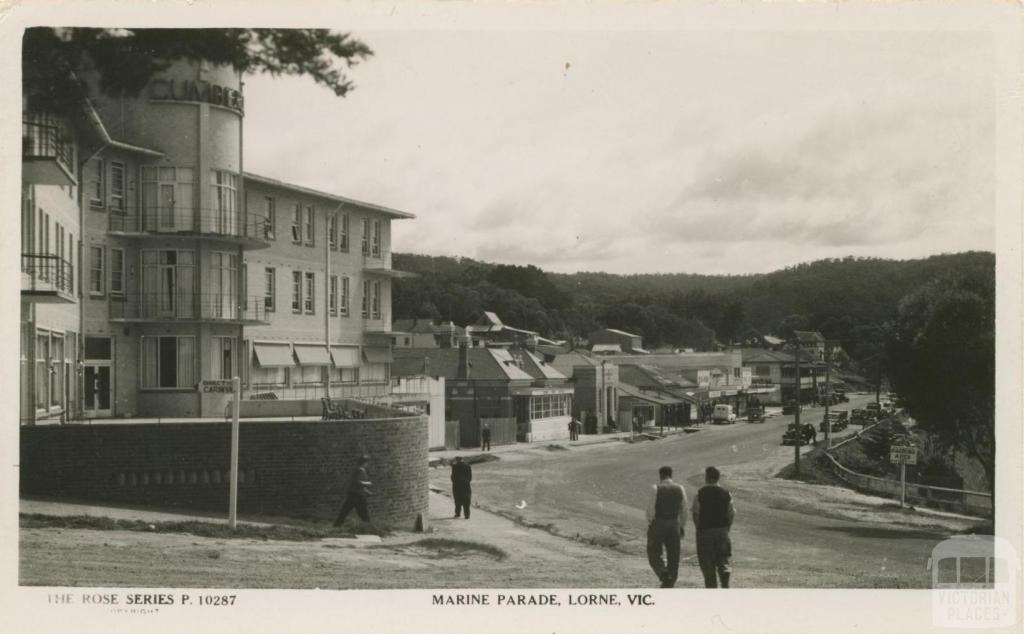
[
  {"x": 343, "y": 233},
  {"x": 308, "y": 226},
  {"x": 344, "y": 297},
  {"x": 296, "y": 291},
  {"x": 762, "y": 370},
  {"x": 56, "y": 370},
  {"x": 223, "y": 366},
  {"x": 270, "y": 213},
  {"x": 375, "y": 246},
  {"x": 332, "y": 295},
  {"x": 375, "y": 304},
  {"x": 548, "y": 406},
  {"x": 332, "y": 231},
  {"x": 297, "y": 224},
  {"x": 268, "y": 289},
  {"x": 223, "y": 294},
  {"x": 168, "y": 362},
  {"x": 71, "y": 263},
  {"x": 95, "y": 270},
  {"x": 344, "y": 375},
  {"x": 117, "y": 271},
  {"x": 736, "y": 373},
  {"x": 310, "y": 374},
  {"x": 168, "y": 283},
  {"x": 224, "y": 198},
  {"x": 117, "y": 186},
  {"x": 98, "y": 188},
  {"x": 97, "y": 348},
  {"x": 366, "y": 299},
  {"x": 308, "y": 300},
  {"x": 42, "y": 370},
  {"x": 366, "y": 237},
  {"x": 168, "y": 198}
]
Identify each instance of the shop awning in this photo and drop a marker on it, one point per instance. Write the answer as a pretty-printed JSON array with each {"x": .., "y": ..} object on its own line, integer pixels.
[
  {"x": 377, "y": 355},
  {"x": 311, "y": 355},
  {"x": 273, "y": 355},
  {"x": 650, "y": 397},
  {"x": 345, "y": 356}
]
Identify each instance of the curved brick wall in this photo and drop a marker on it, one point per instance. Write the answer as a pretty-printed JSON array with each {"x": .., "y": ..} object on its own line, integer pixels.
[{"x": 297, "y": 469}]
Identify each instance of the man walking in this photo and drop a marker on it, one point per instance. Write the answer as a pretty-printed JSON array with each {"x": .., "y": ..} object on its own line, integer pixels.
[
  {"x": 358, "y": 491},
  {"x": 462, "y": 492},
  {"x": 665, "y": 527},
  {"x": 713, "y": 513},
  {"x": 485, "y": 437}
]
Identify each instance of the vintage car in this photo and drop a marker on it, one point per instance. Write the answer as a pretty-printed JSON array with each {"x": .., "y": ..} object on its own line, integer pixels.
[
  {"x": 723, "y": 415},
  {"x": 789, "y": 407},
  {"x": 801, "y": 436},
  {"x": 838, "y": 420},
  {"x": 755, "y": 414},
  {"x": 858, "y": 417}
]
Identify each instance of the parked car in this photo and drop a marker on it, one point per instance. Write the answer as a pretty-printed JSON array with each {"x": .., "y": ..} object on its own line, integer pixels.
[
  {"x": 802, "y": 436},
  {"x": 755, "y": 415},
  {"x": 723, "y": 415},
  {"x": 789, "y": 407},
  {"x": 838, "y": 421},
  {"x": 858, "y": 417}
]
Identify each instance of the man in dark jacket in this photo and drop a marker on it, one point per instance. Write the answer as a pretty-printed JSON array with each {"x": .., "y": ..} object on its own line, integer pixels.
[
  {"x": 666, "y": 510},
  {"x": 358, "y": 491},
  {"x": 462, "y": 475},
  {"x": 713, "y": 514}
]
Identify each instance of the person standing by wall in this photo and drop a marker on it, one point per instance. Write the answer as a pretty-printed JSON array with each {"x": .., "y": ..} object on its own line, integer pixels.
[
  {"x": 358, "y": 491},
  {"x": 485, "y": 437},
  {"x": 665, "y": 527},
  {"x": 713, "y": 513},
  {"x": 462, "y": 492}
]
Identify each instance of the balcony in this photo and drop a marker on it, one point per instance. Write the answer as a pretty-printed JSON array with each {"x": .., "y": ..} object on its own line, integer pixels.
[
  {"x": 47, "y": 279},
  {"x": 380, "y": 264},
  {"x": 188, "y": 307},
  {"x": 47, "y": 155},
  {"x": 249, "y": 231}
]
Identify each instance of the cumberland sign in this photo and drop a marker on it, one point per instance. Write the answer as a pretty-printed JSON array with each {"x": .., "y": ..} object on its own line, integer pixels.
[{"x": 201, "y": 91}]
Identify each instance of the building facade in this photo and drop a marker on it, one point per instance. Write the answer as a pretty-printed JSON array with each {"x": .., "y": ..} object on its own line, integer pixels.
[{"x": 154, "y": 264}]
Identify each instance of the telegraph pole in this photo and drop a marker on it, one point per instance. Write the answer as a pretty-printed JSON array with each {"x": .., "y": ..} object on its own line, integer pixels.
[
  {"x": 796, "y": 412},
  {"x": 828, "y": 394}
]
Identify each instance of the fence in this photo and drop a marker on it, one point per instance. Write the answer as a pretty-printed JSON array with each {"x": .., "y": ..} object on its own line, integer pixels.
[
  {"x": 503, "y": 430},
  {"x": 959, "y": 500}
]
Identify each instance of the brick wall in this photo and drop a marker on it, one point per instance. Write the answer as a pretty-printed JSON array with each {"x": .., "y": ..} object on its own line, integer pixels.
[{"x": 297, "y": 469}]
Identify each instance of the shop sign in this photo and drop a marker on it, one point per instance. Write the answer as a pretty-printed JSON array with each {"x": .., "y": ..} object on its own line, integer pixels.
[{"x": 196, "y": 91}]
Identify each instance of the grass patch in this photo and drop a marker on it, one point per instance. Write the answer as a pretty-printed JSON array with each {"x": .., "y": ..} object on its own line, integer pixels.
[
  {"x": 445, "y": 548},
  {"x": 815, "y": 468},
  {"x": 199, "y": 529}
]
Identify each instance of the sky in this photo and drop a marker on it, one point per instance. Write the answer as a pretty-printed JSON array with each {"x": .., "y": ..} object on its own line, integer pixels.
[{"x": 630, "y": 151}]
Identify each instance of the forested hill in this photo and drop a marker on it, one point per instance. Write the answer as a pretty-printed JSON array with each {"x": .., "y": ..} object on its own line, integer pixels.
[{"x": 840, "y": 297}]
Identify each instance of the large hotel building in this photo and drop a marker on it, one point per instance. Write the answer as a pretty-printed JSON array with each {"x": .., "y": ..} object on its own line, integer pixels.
[{"x": 152, "y": 262}]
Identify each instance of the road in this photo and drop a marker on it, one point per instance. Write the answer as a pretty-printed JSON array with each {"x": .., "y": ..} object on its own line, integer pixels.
[{"x": 787, "y": 533}]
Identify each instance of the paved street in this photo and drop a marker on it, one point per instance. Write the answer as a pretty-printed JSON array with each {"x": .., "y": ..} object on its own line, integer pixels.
[{"x": 794, "y": 534}]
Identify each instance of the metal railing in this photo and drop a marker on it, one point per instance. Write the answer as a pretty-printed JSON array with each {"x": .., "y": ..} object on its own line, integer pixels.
[
  {"x": 370, "y": 391},
  {"x": 199, "y": 306},
  {"x": 43, "y": 137},
  {"x": 47, "y": 273},
  {"x": 190, "y": 220},
  {"x": 961, "y": 500}
]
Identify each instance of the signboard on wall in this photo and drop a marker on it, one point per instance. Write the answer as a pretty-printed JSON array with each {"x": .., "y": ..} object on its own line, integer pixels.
[
  {"x": 196, "y": 91},
  {"x": 219, "y": 386}
]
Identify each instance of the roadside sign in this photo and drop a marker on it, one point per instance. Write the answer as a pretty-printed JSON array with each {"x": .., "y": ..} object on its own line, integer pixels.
[{"x": 903, "y": 454}]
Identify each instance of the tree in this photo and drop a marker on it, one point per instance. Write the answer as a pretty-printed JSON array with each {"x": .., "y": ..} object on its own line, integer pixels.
[
  {"x": 942, "y": 361},
  {"x": 126, "y": 59}
]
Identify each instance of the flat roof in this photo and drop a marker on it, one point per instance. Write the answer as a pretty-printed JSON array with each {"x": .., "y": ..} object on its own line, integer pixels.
[{"x": 314, "y": 192}]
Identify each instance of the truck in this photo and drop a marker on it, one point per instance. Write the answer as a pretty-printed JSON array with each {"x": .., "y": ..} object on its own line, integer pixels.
[
  {"x": 755, "y": 414},
  {"x": 723, "y": 415}
]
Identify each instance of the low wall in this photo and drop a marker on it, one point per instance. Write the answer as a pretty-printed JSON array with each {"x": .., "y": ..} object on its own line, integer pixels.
[
  {"x": 297, "y": 469},
  {"x": 555, "y": 428}
]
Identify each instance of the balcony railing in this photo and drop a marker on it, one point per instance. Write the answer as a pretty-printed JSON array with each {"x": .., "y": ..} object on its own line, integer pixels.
[
  {"x": 47, "y": 273},
  {"x": 47, "y": 153},
  {"x": 190, "y": 221},
  {"x": 187, "y": 306}
]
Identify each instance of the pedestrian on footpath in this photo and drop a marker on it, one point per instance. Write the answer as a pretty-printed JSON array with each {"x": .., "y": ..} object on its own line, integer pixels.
[
  {"x": 713, "y": 513},
  {"x": 485, "y": 437},
  {"x": 358, "y": 491},
  {"x": 665, "y": 527},
  {"x": 574, "y": 433},
  {"x": 462, "y": 492}
]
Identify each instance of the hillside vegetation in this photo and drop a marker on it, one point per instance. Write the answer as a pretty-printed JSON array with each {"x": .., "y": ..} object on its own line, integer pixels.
[{"x": 846, "y": 299}]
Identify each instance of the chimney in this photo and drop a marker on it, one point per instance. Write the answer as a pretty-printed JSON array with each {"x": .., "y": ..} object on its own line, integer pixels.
[{"x": 463, "y": 370}]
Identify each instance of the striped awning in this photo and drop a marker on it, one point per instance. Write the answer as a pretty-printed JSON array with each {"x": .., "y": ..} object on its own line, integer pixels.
[
  {"x": 312, "y": 354},
  {"x": 273, "y": 355}
]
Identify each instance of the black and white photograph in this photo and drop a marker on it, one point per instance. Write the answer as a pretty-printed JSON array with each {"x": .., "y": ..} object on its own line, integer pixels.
[{"x": 530, "y": 317}]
